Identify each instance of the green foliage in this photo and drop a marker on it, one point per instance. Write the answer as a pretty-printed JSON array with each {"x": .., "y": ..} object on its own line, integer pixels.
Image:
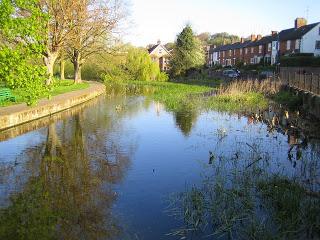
[
  {"x": 21, "y": 23},
  {"x": 140, "y": 66},
  {"x": 169, "y": 46},
  {"x": 288, "y": 99},
  {"x": 237, "y": 102},
  {"x": 175, "y": 96},
  {"x": 136, "y": 65},
  {"x": 300, "y": 61},
  {"x": 187, "y": 54},
  {"x": 181, "y": 96},
  {"x": 58, "y": 87},
  {"x": 219, "y": 39},
  {"x": 69, "y": 71}
]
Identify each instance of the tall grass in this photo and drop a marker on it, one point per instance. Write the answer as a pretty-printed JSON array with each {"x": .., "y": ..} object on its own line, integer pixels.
[
  {"x": 266, "y": 87},
  {"x": 243, "y": 95}
]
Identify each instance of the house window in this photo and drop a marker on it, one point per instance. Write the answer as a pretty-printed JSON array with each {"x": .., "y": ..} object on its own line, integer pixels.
[
  {"x": 269, "y": 47},
  {"x": 297, "y": 45},
  {"x": 260, "y": 49},
  {"x": 240, "y": 51},
  {"x": 318, "y": 45},
  {"x": 288, "y": 45},
  {"x": 246, "y": 50},
  {"x": 252, "y": 50},
  {"x": 223, "y": 53},
  {"x": 234, "y": 52},
  {"x": 230, "y": 52}
]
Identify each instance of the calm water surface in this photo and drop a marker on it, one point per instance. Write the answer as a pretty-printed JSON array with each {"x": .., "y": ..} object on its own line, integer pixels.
[{"x": 108, "y": 169}]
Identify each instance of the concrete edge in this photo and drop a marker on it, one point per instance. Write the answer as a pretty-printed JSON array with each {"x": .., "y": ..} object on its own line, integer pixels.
[{"x": 18, "y": 114}]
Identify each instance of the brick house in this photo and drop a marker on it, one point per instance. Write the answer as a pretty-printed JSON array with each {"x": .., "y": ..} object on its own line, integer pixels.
[
  {"x": 302, "y": 38},
  {"x": 160, "y": 55}
]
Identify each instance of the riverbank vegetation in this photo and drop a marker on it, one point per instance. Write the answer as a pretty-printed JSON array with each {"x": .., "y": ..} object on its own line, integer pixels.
[
  {"x": 58, "y": 87},
  {"x": 184, "y": 95},
  {"x": 240, "y": 198},
  {"x": 35, "y": 34}
]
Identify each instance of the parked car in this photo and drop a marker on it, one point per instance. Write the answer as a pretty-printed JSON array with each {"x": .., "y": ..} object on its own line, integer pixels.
[
  {"x": 231, "y": 73},
  {"x": 265, "y": 75}
]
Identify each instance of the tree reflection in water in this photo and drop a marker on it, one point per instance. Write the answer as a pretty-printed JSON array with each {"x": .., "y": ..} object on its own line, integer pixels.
[
  {"x": 69, "y": 192},
  {"x": 185, "y": 120}
]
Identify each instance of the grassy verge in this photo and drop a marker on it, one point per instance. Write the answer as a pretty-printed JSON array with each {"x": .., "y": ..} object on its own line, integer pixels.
[
  {"x": 180, "y": 95},
  {"x": 59, "y": 87}
]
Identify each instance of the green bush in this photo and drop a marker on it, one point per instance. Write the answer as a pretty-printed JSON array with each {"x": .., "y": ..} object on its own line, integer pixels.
[
  {"x": 300, "y": 61},
  {"x": 136, "y": 66},
  {"x": 21, "y": 46}
]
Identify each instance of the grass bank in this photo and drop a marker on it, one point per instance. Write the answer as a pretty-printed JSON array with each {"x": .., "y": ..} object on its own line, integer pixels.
[
  {"x": 192, "y": 94},
  {"x": 59, "y": 87}
]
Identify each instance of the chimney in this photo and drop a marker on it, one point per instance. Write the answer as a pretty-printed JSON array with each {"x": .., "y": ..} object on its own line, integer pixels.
[
  {"x": 273, "y": 33},
  {"x": 253, "y": 37},
  {"x": 300, "y": 22},
  {"x": 242, "y": 40},
  {"x": 259, "y": 37}
]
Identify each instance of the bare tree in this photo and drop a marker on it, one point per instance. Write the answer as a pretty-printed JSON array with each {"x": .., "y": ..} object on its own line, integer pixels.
[
  {"x": 95, "y": 22},
  {"x": 59, "y": 29}
]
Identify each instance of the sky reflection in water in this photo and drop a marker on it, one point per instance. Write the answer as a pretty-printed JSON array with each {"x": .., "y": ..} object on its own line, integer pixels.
[{"x": 107, "y": 170}]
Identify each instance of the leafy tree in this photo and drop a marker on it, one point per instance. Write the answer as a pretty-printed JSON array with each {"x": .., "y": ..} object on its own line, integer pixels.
[
  {"x": 136, "y": 65},
  {"x": 59, "y": 29},
  {"x": 188, "y": 52},
  {"x": 204, "y": 38},
  {"x": 94, "y": 22},
  {"x": 219, "y": 39},
  {"x": 21, "y": 23},
  {"x": 169, "y": 46}
]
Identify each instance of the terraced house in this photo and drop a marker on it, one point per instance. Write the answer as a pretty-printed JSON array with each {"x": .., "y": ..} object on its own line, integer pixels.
[{"x": 302, "y": 38}]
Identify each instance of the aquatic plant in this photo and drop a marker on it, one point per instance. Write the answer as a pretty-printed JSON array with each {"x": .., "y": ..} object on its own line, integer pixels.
[{"x": 240, "y": 198}]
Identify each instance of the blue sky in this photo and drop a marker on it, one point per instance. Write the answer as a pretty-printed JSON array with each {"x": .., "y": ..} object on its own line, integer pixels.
[{"x": 163, "y": 19}]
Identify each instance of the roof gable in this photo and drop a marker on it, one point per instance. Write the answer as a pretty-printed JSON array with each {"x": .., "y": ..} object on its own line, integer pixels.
[
  {"x": 296, "y": 33},
  {"x": 156, "y": 47}
]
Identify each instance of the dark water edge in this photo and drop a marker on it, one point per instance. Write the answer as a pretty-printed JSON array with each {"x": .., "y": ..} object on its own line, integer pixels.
[{"x": 125, "y": 168}]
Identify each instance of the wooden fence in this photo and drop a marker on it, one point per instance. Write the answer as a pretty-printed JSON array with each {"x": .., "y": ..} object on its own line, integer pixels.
[
  {"x": 302, "y": 81},
  {"x": 299, "y": 80}
]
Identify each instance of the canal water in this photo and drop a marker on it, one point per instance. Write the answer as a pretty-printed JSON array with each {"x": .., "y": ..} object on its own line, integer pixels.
[{"x": 126, "y": 168}]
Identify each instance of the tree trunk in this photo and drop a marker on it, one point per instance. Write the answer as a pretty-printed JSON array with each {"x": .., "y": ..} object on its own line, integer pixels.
[
  {"x": 77, "y": 72},
  {"x": 62, "y": 69},
  {"x": 49, "y": 62},
  {"x": 77, "y": 67}
]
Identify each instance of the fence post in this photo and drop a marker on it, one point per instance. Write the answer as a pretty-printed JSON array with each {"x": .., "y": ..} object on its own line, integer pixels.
[
  {"x": 300, "y": 84},
  {"x": 318, "y": 83},
  {"x": 311, "y": 84}
]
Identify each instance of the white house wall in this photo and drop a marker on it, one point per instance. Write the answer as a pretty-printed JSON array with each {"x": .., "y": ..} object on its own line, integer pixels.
[{"x": 308, "y": 41}]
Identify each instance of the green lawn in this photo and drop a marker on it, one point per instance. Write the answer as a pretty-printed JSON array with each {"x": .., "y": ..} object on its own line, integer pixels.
[{"x": 59, "y": 87}]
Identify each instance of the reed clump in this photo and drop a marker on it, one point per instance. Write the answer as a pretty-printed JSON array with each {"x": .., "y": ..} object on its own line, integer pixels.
[{"x": 267, "y": 87}]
